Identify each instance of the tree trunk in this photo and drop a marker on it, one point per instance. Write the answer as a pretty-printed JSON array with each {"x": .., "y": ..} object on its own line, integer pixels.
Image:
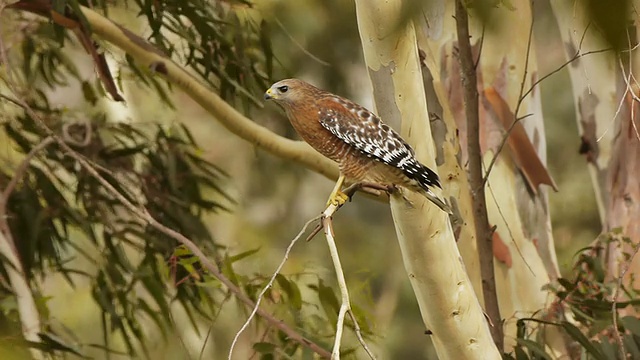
[
  {"x": 517, "y": 205},
  {"x": 608, "y": 122},
  {"x": 449, "y": 307}
]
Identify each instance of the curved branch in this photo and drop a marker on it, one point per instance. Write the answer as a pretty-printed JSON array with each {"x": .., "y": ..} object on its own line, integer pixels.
[
  {"x": 148, "y": 56},
  {"x": 141, "y": 213}
]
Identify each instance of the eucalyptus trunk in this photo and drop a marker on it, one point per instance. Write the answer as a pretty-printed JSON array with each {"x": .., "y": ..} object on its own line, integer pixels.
[
  {"x": 516, "y": 189},
  {"x": 450, "y": 309},
  {"x": 606, "y": 100}
]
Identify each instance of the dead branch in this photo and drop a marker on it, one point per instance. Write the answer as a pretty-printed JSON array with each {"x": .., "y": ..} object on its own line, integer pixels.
[
  {"x": 484, "y": 234},
  {"x": 345, "y": 306}
]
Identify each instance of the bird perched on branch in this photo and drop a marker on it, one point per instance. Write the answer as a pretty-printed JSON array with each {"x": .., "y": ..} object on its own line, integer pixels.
[{"x": 365, "y": 148}]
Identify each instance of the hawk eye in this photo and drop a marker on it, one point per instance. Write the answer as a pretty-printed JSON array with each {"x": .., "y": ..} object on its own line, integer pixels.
[{"x": 283, "y": 89}]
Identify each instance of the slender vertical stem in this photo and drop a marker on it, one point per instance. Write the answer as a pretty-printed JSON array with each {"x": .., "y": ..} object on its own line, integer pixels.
[
  {"x": 484, "y": 233},
  {"x": 345, "y": 306}
]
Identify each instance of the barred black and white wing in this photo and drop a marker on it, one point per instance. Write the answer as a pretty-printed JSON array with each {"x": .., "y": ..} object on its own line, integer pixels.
[{"x": 365, "y": 131}]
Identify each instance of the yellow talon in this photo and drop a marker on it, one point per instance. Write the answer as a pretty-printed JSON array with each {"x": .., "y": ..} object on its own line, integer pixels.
[{"x": 337, "y": 197}]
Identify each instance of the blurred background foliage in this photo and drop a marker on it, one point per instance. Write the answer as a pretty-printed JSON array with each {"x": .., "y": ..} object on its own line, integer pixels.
[{"x": 106, "y": 277}]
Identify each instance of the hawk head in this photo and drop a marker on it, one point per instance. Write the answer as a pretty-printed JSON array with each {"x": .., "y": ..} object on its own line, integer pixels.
[{"x": 289, "y": 91}]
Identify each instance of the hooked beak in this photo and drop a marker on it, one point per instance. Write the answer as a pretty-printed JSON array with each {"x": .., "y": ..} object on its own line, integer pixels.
[{"x": 269, "y": 95}]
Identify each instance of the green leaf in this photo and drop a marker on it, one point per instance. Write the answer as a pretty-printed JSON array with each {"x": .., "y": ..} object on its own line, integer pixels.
[
  {"x": 291, "y": 289},
  {"x": 59, "y": 6},
  {"x": 632, "y": 324},
  {"x": 609, "y": 349},
  {"x": 243, "y": 255},
  {"x": 630, "y": 346},
  {"x": 578, "y": 336},
  {"x": 51, "y": 343},
  {"x": 568, "y": 285},
  {"x": 80, "y": 15},
  {"x": 521, "y": 327},
  {"x": 264, "y": 347},
  {"x": 534, "y": 348},
  {"x": 123, "y": 152},
  {"x": 329, "y": 302},
  {"x": 520, "y": 354}
]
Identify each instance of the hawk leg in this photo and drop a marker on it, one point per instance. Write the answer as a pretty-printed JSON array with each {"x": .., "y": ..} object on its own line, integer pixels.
[{"x": 337, "y": 197}]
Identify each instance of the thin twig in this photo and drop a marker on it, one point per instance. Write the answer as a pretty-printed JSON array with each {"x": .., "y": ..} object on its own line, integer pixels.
[
  {"x": 144, "y": 215},
  {"x": 11, "y": 100},
  {"x": 518, "y": 105},
  {"x": 358, "y": 331},
  {"x": 296, "y": 43},
  {"x": 513, "y": 239},
  {"x": 145, "y": 55},
  {"x": 629, "y": 90},
  {"x": 345, "y": 305},
  {"x": 27, "y": 309},
  {"x": 476, "y": 63},
  {"x": 367, "y": 187},
  {"x": 484, "y": 235},
  {"x": 269, "y": 284},
  {"x": 522, "y": 96},
  {"x": 24, "y": 165},
  {"x": 327, "y": 225},
  {"x": 226, "y": 298}
]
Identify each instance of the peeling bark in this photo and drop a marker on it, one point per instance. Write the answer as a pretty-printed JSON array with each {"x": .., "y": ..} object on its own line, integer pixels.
[
  {"x": 594, "y": 92},
  {"x": 448, "y": 304},
  {"x": 608, "y": 122},
  {"x": 526, "y": 255}
]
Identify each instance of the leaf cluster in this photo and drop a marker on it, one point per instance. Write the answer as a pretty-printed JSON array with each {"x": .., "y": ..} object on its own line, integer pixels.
[
  {"x": 582, "y": 311},
  {"x": 62, "y": 218},
  {"x": 57, "y": 204}
]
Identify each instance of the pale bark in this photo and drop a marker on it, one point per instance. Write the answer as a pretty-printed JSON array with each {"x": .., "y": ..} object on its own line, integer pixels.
[
  {"x": 520, "y": 216},
  {"x": 448, "y": 304},
  {"x": 524, "y": 247},
  {"x": 607, "y": 110},
  {"x": 594, "y": 91}
]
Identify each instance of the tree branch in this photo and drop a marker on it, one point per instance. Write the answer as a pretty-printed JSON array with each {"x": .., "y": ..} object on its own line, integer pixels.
[
  {"x": 22, "y": 169},
  {"x": 345, "y": 306},
  {"x": 484, "y": 235},
  {"x": 269, "y": 285},
  {"x": 142, "y": 214},
  {"x": 148, "y": 56}
]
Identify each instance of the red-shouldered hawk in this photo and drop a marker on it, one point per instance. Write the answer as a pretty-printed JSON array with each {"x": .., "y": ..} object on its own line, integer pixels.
[{"x": 365, "y": 148}]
